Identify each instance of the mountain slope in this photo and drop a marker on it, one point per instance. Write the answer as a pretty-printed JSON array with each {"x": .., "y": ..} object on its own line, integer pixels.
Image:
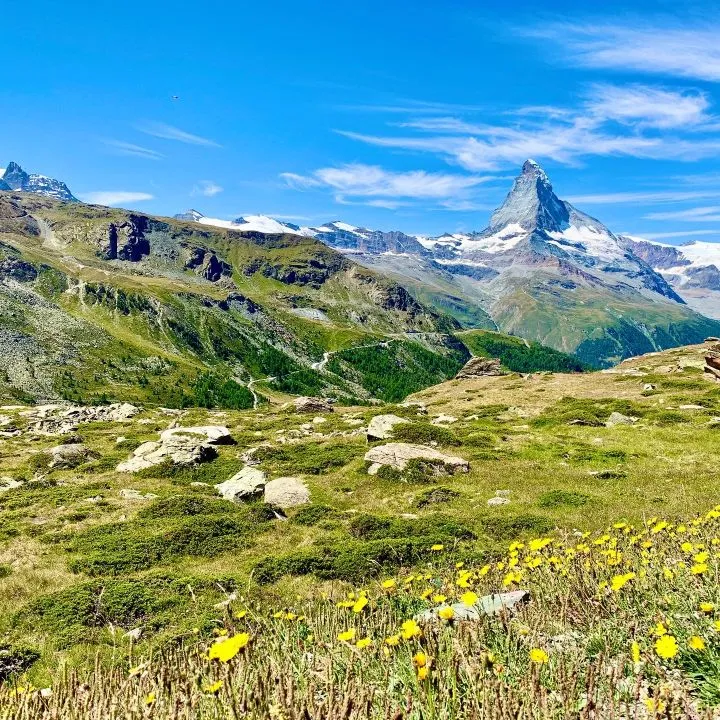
[
  {"x": 15, "y": 178},
  {"x": 540, "y": 259},
  {"x": 103, "y": 303}
]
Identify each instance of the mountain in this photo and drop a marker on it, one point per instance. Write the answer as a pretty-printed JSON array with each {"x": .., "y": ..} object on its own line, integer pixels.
[
  {"x": 539, "y": 256},
  {"x": 100, "y": 303},
  {"x": 15, "y": 178},
  {"x": 693, "y": 270}
]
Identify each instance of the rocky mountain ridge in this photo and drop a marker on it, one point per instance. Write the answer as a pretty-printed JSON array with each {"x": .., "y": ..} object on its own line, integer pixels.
[{"x": 15, "y": 178}]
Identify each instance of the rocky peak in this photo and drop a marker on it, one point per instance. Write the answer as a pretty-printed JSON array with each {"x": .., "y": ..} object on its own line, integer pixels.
[
  {"x": 531, "y": 203},
  {"x": 17, "y": 179}
]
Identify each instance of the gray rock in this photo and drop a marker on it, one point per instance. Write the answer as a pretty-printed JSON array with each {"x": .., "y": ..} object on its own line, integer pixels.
[
  {"x": 398, "y": 455},
  {"x": 211, "y": 434},
  {"x": 619, "y": 419},
  {"x": 443, "y": 420},
  {"x": 8, "y": 483},
  {"x": 287, "y": 492},
  {"x": 649, "y": 386},
  {"x": 479, "y": 367},
  {"x": 130, "y": 494},
  {"x": 134, "y": 634},
  {"x": 312, "y": 405},
  {"x": 69, "y": 456},
  {"x": 498, "y": 500},
  {"x": 381, "y": 426},
  {"x": 248, "y": 484},
  {"x": 487, "y": 605}
]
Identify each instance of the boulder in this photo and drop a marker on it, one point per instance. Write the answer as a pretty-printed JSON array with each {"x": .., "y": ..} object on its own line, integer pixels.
[
  {"x": 248, "y": 484},
  {"x": 617, "y": 418},
  {"x": 398, "y": 455},
  {"x": 486, "y": 605},
  {"x": 181, "y": 446},
  {"x": 443, "y": 420},
  {"x": 712, "y": 361},
  {"x": 480, "y": 367},
  {"x": 61, "y": 419},
  {"x": 212, "y": 434},
  {"x": 312, "y": 405},
  {"x": 381, "y": 426},
  {"x": 287, "y": 492},
  {"x": 69, "y": 456},
  {"x": 8, "y": 483}
]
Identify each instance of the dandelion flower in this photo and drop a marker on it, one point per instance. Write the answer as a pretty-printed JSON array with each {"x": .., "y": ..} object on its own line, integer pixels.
[
  {"x": 699, "y": 568},
  {"x": 635, "y": 651},
  {"x": 227, "y": 649},
  {"x": 347, "y": 636},
  {"x": 660, "y": 629},
  {"x": 410, "y": 629},
  {"x": 539, "y": 656},
  {"x": 696, "y": 643},
  {"x": 388, "y": 584},
  {"x": 666, "y": 647},
  {"x": 420, "y": 659},
  {"x": 439, "y": 598},
  {"x": 392, "y": 640},
  {"x": 438, "y": 547},
  {"x": 469, "y": 598},
  {"x": 422, "y": 672},
  {"x": 362, "y": 601},
  {"x": 214, "y": 688},
  {"x": 619, "y": 581},
  {"x": 363, "y": 643},
  {"x": 446, "y": 613},
  {"x": 707, "y": 607},
  {"x": 150, "y": 698}
]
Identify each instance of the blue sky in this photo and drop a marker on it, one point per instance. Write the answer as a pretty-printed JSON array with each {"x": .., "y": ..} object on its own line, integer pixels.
[{"x": 411, "y": 116}]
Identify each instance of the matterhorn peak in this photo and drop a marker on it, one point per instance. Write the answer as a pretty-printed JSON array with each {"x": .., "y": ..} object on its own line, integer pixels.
[{"x": 531, "y": 203}]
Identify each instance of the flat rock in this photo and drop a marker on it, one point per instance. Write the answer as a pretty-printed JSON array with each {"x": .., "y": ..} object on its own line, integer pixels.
[
  {"x": 287, "y": 492},
  {"x": 8, "y": 483},
  {"x": 443, "y": 420},
  {"x": 69, "y": 456},
  {"x": 617, "y": 418},
  {"x": 211, "y": 434},
  {"x": 381, "y": 426},
  {"x": 248, "y": 484},
  {"x": 498, "y": 500},
  {"x": 398, "y": 455},
  {"x": 479, "y": 367},
  {"x": 485, "y": 606},
  {"x": 130, "y": 494},
  {"x": 312, "y": 405}
]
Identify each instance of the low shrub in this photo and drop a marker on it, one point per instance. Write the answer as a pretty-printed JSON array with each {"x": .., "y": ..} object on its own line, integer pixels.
[
  {"x": 314, "y": 514},
  {"x": 561, "y": 498},
  {"x": 505, "y": 527},
  {"x": 435, "y": 496},
  {"x": 424, "y": 433}
]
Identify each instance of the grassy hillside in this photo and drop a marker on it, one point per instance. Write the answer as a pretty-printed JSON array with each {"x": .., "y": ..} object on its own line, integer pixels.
[
  {"x": 81, "y": 563},
  {"x": 101, "y": 304},
  {"x": 519, "y": 355}
]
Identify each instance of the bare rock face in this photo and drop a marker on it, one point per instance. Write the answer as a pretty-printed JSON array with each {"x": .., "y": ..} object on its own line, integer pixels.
[
  {"x": 248, "y": 484},
  {"x": 287, "y": 492},
  {"x": 381, "y": 426},
  {"x": 398, "y": 455},
  {"x": 712, "y": 361},
  {"x": 181, "y": 446},
  {"x": 312, "y": 405},
  {"x": 61, "y": 419},
  {"x": 480, "y": 367}
]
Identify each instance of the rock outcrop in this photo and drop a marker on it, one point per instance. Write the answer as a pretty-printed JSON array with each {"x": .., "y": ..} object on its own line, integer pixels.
[
  {"x": 398, "y": 455},
  {"x": 61, "y": 419},
  {"x": 69, "y": 456},
  {"x": 712, "y": 361},
  {"x": 480, "y": 367},
  {"x": 248, "y": 484},
  {"x": 312, "y": 405},
  {"x": 287, "y": 492},
  {"x": 381, "y": 426},
  {"x": 180, "y": 446}
]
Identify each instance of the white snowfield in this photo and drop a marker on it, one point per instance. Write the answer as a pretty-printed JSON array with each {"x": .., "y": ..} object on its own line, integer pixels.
[{"x": 590, "y": 241}]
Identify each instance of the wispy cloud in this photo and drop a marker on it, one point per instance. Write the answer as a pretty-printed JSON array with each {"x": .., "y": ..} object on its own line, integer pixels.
[
  {"x": 697, "y": 214},
  {"x": 659, "y": 196},
  {"x": 114, "y": 197},
  {"x": 169, "y": 132},
  {"x": 676, "y": 234},
  {"x": 207, "y": 188},
  {"x": 378, "y": 187},
  {"x": 125, "y": 148},
  {"x": 407, "y": 106},
  {"x": 658, "y": 47}
]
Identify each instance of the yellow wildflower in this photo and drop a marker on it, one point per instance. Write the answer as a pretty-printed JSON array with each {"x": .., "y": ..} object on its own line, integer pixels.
[
  {"x": 227, "y": 649},
  {"x": 619, "y": 581},
  {"x": 392, "y": 640},
  {"x": 410, "y": 629},
  {"x": 446, "y": 613},
  {"x": 150, "y": 698},
  {"x": 439, "y": 598},
  {"x": 422, "y": 672},
  {"x": 363, "y": 643},
  {"x": 699, "y": 568},
  {"x": 362, "y": 601},
  {"x": 635, "y": 651},
  {"x": 666, "y": 647},
  {"x": 539, "y": 656},
  {"x": 707, "y": 607},
  {"x": 420, "y": 659},
  {"x": 696, "y": 643},
  {"x": 214, "y": 688},
  {"x": 469, "y": 598},
  {"x": 347, "y": 635},
  {"x": 438, "y": 547},
  {"x": 388, "y": 584}
]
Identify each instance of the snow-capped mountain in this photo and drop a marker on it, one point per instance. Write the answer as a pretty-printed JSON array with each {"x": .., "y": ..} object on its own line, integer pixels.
[
  {"x": 15, "y": 178},
  {"x": 693, "y": 269}
]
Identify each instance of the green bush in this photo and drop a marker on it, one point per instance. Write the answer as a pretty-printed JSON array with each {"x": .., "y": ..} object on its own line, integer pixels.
[
  {"x": 424, "y": 433},
  {"x": 560, "y": 498},
  {"x": 373, "y": 527},
  {"x": 308, "y": 459},
  {"x": 314, "y": 514},
  {"x": 508, "y": 527},
  {"x": 417, "y": 471},
  {"x": 585, "y": 411},
  {"x": 435, "y": 496}
]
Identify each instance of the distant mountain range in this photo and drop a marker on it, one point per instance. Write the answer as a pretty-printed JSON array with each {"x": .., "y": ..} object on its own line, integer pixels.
[
  {"x": 15, "y": 178},
  {"x": 542, "y": 269}
]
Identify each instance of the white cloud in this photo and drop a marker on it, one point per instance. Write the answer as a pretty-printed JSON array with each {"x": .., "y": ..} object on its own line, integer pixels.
[
  {"x": 698, "y": 214},
  {"x": 208, "y": 188},
  {"x": 648, "y": 106},
  {"x": 126, "y": 148},
  {"x": 169, "y": 132},
  {"x": 678, "y": 234},
  {"x": 659, "y": 197},
  {"x": 384, "y": 188},
  {"x": 114, "y": 197},
  {"x": 657, "y": 48}
]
